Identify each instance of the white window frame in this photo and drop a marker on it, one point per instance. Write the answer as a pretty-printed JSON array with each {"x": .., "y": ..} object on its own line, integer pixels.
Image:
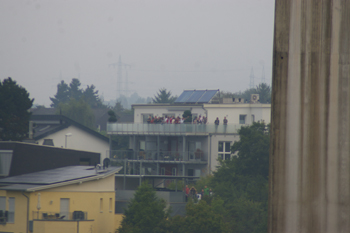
[
  {"x": 224, "y": 154},
  {"x": 243, "y": 121}
]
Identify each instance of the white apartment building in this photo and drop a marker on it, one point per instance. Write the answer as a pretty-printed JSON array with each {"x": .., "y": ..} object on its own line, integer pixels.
[{"x": 186, "y": 151}]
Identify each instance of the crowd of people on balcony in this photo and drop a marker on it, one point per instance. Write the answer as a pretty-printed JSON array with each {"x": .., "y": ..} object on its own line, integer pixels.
[
  {"x": 180, "y": 120},
  {"x": 176, "y": 120}
]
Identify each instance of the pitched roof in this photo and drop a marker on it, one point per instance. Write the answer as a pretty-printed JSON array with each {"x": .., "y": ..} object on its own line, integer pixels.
[
  {"x": 55, "y": 178},
  {"x": 49, "y": 124}
]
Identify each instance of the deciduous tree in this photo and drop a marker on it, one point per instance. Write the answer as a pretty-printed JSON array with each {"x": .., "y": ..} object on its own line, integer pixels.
[
  {"x": 79, "y": 111},
  {"x": 14, "y": 114},
  {"x": 145, "y": 212}
]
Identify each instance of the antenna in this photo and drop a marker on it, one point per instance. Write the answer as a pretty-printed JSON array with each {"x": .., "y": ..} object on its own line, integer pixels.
[
  {"x": 263, "y": 74},
  {"x": 251, "y": 85}
]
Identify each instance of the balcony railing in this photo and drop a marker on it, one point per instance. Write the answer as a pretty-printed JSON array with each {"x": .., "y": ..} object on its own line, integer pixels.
[
  {"x": 136, "y": 128},
  {"x": 46, "y": 215},
  {"x": 163, "y": 156}
]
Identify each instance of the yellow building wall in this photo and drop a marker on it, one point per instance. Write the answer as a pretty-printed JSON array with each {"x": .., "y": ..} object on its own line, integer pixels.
[
  {"x": 118, "y": 220},
  {"x": 20, "y": 224},
  {"x": 80, "y": 201},
  {"x": 99, "y": 206},
  {"x": 62, "y": 226}
]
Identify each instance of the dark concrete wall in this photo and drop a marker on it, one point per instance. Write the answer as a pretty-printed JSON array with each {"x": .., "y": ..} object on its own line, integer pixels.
[
  {"x": 310, "y": 156},
  {"x": 29, "y": 158}
]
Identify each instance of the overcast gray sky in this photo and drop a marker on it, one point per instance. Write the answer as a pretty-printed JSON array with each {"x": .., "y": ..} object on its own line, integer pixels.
[{"x": 177, "y": 44}]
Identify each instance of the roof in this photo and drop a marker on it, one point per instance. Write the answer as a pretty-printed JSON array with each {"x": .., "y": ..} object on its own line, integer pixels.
[
  {"x": 55, "y": 178},
  {"x": 49, "y": 124},
  {"x": 196, "y": 96}
]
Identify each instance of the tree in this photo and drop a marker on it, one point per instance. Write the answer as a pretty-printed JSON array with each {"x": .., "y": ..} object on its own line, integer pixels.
[
  {"x": 14, "y": 114},
  {"x": 74, "y": 89},
  {"x": 62, "y": 95},
  {"x": 253, "y": 150},
  {"x": 67, "y": 92},
  {"x": 145, "y": 212},
  {"x": 79, "y": 111},
  {"x": 112, "y": 116},
  {"x": 242, "y": 182},
  {"x": 91, "y": 97},
  {"x": 187, "y": 115},
  {"x": 264, "y": 92},
  {"x": 262, "y": 89},
  {"x": 164, "y": 96}
]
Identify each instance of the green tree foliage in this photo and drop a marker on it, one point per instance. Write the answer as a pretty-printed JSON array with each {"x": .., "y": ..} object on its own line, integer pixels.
[
  {"x": 200, "y": 217},
  {"x": 14, "y": 114},
  {"x": 67, "y": 92},
  {"x": 262, "y": 89},
  {"x": 253, "y": 150},
  {"x": 62, "y": 95},
  {"x": 91, "y": 97},
  {"x": 164, "y": 96},
  {"x": 112, "y": 116},
  {"x": 187, "y": 115},
  {"x": 242, "y": 182},
  {"x": 264, "y": 92},
  {"x": 145, "y": 212},
  {"x": 75, "y": 91},
  {"x": 79, "y": 111}
]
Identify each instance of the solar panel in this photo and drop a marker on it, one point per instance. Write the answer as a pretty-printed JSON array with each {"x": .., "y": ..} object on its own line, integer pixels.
[
  {"x": 208, "y": 95},
  {"x": 183, "y": 97},
  {"x": 195, "y": 96},
  {"x": 200, "y": 96}
]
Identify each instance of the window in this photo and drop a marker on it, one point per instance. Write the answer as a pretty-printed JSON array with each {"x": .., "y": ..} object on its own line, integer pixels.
[
  {"x": 110, "y": 205},
  {"x": 11, "y": 213},
  {"x": 173, "y": 171},
  {"x": 190, "y": 172},
  {"x": 142, "y": 145},
  {"x": 162, "y": 171},
  {"x": 5, "y": 161},
  {"x": 253, "y": 119},
  {"x": 242, "y": 119},
  {"x": 224, "y": 150}
]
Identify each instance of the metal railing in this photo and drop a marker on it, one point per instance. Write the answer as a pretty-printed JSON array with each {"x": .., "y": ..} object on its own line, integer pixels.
[
  {"x": 159, "y": 156},
  {"x": 135, "y": 128},
  {"x": 46, "y": 215}
]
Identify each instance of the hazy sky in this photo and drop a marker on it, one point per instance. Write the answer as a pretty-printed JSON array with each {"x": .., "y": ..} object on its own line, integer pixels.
[{"x": 175, "y": 44}]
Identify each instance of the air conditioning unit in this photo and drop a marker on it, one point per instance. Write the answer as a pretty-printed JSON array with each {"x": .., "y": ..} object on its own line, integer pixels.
[{"x": 254, "y": 98}]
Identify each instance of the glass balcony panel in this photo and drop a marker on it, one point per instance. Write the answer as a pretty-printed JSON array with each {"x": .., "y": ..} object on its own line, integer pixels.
[
  {"x": 135, "y": 128},
  {"x": 152, "y": 155}
]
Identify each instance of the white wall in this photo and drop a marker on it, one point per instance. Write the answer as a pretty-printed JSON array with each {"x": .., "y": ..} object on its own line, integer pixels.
[
  {"x": 215, "y": 139},
  {"x": 232, "y": 112},
  {"x": 159, "y": 110},
  {"x": 80, "y": 140}
]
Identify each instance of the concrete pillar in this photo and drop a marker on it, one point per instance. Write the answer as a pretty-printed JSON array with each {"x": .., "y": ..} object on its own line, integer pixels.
[{"x": 310, "y": 156}]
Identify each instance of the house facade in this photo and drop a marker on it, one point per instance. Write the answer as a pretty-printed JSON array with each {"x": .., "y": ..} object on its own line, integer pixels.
[
  {"x": 70, "y": 199},
  {"x": 182, "y": 150},
  {"x": 60, "y": 131}
]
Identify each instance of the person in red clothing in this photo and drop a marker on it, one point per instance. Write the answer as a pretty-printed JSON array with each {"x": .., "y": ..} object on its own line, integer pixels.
[{"x": 187, "y": 191}]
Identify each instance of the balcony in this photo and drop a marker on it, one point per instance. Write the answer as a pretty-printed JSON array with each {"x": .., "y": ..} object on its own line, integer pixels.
[
  {"x": 170, "y": 129},
  {"x": 151, "y": 156},
  {"x": 54, "y": 216}
]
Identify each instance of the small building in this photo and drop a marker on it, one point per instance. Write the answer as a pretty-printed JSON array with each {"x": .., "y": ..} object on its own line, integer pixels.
[
  {"x": 61, "y": 131},
  {"x": 68, "y": 199}
]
